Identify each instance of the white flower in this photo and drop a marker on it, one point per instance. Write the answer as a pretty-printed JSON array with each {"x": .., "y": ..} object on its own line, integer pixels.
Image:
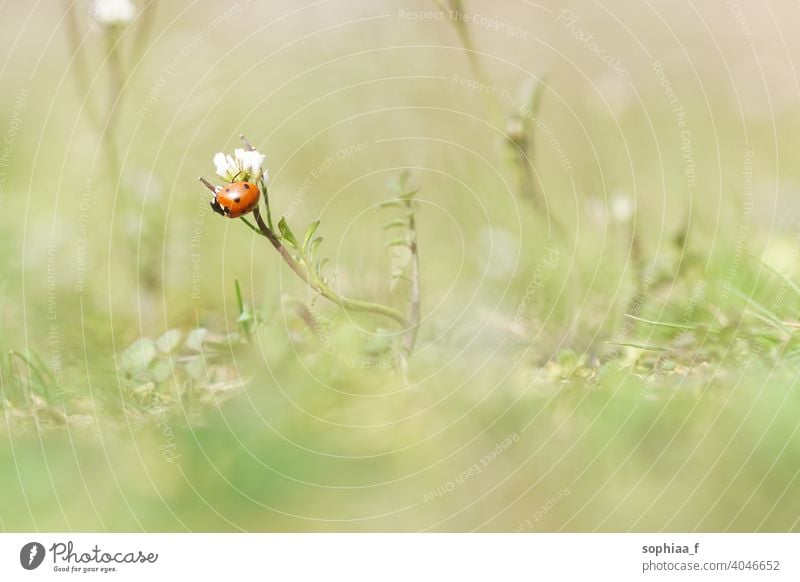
[
  {"x": 251, "y": 162},
  {"x": 243, "y": 166},
  {"x": 622, "y": 208},
  {"x": 109, "y": 12},
  {"x": 226, "y": 166}
]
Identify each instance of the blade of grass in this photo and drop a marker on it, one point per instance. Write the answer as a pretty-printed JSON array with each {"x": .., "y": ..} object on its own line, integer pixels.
[
  {"x": 766, "y": 314},
  {"x": 791, "y": 284},
  {"x": 661, "y": 323},
  {"x": 640, "y": 347}
]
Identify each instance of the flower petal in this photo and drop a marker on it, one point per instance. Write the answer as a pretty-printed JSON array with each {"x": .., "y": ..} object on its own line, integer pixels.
[{"x": 243, "y": 166}]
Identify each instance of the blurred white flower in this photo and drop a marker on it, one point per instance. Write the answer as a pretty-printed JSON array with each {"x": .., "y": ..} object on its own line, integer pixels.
[
  {"x": 622, "y": 208},
  {"x": 596, "y": 210},
  {"x": 109, "y": 12},
  {"x": 243, "y": 166}
]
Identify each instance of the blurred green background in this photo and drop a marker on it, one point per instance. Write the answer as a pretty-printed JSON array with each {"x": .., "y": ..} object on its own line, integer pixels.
[{"x": 665, "y": 187}]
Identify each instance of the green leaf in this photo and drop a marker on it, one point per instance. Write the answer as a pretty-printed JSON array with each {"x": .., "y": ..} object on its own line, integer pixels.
[
  {"x": 138, "y": 355},
  {"x": 668, "y": 365},
  {"x": 532, "y": 96},
  {"x": 196, "y": 368},
  {"x": 169, "y": 341},
  {"x": 401, "y": 276},
  {"x": 320, "y": 266},
  {"x": 224, "y": 342},
  {"x": 763, "y": 313},
  {"x": 396, "y": 183},
  {"x": 378, "y": 344},
  {"x": 792, "y": 285},
  {"x": 661, "y": 323},
  {"x": 194, "y": 341},
  {"x": 312, "y": 248},
  {"x": 392, "y": 204},
  {"x": 312, "y": 228},
  {"x": 567, "y": 358},
  {"x": 161, "y": 371},
  {"x": 639, "y": 346},
  {"x": 245, "y": 316},
  {"x": 239, "y": 300},
  {"x": 402, "y": 185},
  {"x": 286, "y": 232},
  {"x": 144, "y": 391},
  {"x": 410, "y": 192},
  {"x": 399, "y": 223}
]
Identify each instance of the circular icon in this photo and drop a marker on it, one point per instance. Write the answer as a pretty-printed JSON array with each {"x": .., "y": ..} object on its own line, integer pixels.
[{"x": 31, "y": 555}]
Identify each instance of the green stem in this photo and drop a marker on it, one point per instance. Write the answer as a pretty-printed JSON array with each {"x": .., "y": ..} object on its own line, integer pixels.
[
  {"x": 358, "y": 305},
  {"x": 80, "y": 71},
  {"x": 266, "y": 202},
  {"x": 244, "y": 322},
  {"x": 287, "y": 257},
  {"x": 455, "y": 11},
  {"x": 321, "y": 287},
  {"x": 251, "y": 226},
  {"x": 32, "y": 369},
  {"x": 145, "y": 25},
  {"x": 117, "y": 81},
  {"x": 410, "y": 337}
]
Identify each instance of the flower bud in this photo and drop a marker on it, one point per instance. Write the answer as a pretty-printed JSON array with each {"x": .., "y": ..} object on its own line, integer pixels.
[{"x": 111, "y": 12}]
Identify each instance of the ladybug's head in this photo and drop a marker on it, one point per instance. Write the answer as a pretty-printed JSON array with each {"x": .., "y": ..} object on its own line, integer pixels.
[{"x": 218, "y": 208}]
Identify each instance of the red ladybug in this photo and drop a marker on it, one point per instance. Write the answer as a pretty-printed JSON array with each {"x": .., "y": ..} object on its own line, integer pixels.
[{"x": 236, "y": 199}]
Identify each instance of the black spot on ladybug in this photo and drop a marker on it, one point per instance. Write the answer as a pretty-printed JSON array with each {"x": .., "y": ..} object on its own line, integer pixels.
[{"x": 246, "y": 186}]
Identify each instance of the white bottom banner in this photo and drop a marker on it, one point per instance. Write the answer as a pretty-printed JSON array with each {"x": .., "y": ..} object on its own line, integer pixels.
[{"x": 389, "y": 557}]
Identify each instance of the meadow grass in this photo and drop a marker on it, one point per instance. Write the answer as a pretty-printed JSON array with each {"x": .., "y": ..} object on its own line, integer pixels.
[{"x": 162, "y": 369}]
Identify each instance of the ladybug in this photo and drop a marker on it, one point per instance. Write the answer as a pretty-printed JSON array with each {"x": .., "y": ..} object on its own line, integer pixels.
[{"x": 236, "y": 199}]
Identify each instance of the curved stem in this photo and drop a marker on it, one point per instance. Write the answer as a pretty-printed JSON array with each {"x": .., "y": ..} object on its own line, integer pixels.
[
  {"x": 322, "y": 288},
  {"x": 358, "y": 305}
]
